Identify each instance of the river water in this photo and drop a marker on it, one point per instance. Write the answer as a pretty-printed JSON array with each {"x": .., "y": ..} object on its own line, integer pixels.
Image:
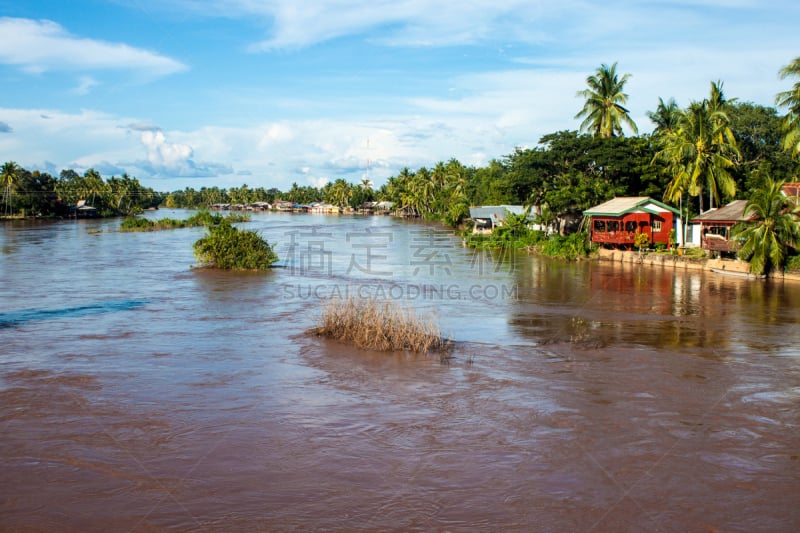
[{"x": 139, "y": 393}]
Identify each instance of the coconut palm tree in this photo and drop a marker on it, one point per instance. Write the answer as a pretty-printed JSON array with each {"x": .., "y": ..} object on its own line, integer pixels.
[
  {"x": 700, "y": 154},
  {"x": 603, "y": 113},
  {"x": 765, "y": 239},
  {"x": 665, "y": 117},
  {"x": 94, "y": 185},
  {"x": 791, "y": 100},
  {"x": 340, "y": 193},
  {"x": 9, "y": 174},
  {"x": 718, "y": 106}
]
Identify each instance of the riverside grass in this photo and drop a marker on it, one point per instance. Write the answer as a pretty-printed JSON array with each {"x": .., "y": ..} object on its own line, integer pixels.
[{"x": 381, "y": 326}]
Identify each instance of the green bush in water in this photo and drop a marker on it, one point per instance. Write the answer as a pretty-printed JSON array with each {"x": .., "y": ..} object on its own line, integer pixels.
[
  {"x": 571, "y": 247},
  {"x": 228, "y": 248}
]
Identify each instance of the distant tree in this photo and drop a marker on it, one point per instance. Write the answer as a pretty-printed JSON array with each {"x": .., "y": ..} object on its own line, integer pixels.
[
  {"x": 603, "y": 113},
  {"x": 791, "y": 100},
  {"x": 339, "y": 193},
  {"x": 758, "y": 132},
  {"x": 765, "y": 239},
  {"x": 665, "y": 117},
  {"x": 700, "y": 155},
  {"x": 93, "y": 185},
  {"x": 9, "y": 174}
]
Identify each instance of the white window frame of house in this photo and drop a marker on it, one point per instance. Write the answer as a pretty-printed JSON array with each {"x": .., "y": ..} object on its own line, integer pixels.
[{"x": 657, "y": 226}]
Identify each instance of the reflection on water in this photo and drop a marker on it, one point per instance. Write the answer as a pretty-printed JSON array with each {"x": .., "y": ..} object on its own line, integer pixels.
[
  {"x": 140, "y": 393},
  {"x": 664, "y": 308}
]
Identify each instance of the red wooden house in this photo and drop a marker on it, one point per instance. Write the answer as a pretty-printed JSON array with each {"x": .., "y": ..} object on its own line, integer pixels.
[{"x": 616, "y": 222}]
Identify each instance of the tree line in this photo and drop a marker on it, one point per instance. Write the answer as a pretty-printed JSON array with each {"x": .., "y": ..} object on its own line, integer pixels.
[
  {"x": 36, "y": 193},
  {"x": 715, "y": 149}
]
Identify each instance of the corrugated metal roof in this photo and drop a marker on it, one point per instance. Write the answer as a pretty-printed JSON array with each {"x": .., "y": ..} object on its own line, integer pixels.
[
  {"x": 618, "y": 206},
  {"x": 733, "y": 212},
  {"x": 495, "y": 212}
]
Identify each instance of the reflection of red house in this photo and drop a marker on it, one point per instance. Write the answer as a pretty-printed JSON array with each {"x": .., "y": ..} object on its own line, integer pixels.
[
  {"x": 716, "y": 226},
  {"x": 616, "y": 222}
]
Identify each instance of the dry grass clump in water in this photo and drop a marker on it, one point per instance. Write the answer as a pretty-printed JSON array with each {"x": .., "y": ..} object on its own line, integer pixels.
[{"x": 380, "y": 326}]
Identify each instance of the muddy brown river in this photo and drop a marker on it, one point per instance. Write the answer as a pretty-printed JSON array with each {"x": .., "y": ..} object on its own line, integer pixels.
[{"x": 138, "y": 393}]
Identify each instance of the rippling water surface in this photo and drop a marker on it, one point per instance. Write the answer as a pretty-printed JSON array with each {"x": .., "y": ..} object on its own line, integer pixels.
[{"x": 138, "y": 393}]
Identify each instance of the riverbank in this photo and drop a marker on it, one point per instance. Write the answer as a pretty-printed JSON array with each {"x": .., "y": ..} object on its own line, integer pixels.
[{"x": 731, "y": 266}]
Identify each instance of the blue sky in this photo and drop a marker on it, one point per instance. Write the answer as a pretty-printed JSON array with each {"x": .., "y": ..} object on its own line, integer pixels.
[{"x": 219, "y": 93}]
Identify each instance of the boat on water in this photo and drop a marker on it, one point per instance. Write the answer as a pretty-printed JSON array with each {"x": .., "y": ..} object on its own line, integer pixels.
[{"x": 746, "y": 275}]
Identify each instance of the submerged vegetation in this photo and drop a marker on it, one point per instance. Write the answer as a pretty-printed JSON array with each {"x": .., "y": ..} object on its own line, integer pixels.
[
  {"x": 228, "y": 248},
  {"x": 381, "y": 326},
  {"x": 202, "y": 218}
]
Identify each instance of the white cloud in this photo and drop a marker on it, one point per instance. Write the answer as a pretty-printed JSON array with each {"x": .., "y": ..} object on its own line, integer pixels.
[
  {"x": 295, "y": 24},
  {"x": 472, "y": 115},
  {"x": 319, "y": 182},
  {"x": 85, "y": 85},
  {"x": 175, "y": 159},
  {"x": 42, "y": 45},
  {"x": 162, "y": 154}
]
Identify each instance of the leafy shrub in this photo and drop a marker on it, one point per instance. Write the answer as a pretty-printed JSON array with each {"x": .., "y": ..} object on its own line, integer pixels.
[
  {"x": 503, "y": 238},
  {"x": 571, "y": 247},
  {"x": 228, "y": 248},
  {"x": 793, "y": 263},
  {"x": 136, "y": 224},
  {"x": 642, "y": 240}
]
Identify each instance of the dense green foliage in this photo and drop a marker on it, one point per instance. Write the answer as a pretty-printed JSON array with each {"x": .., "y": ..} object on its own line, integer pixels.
[
  {"x": 40, "y": 194},
  {"x": 571, "y": 247},
  {"x": 229, "y": 248},
  {"x": 793, "y": 264},
  {"x": 201, "y": 218},
  {"x": 791, "y": 101},
  {"x": 701, "y": 151},
  {"x": 339, "y": 193},
  {"x": 765, "y": 240}
]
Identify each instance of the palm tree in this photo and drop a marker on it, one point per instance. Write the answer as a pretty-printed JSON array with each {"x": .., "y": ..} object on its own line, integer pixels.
[
  {"x": 718, "y": 106},
  {"x": 700, "y": 154},
  {"x": 94, "y": 185},
  {"x": 665, "y": 117},
  {"x": 340, "y": 193},
  {"x": 765, "y": 240},
  {"x": 603, "y": 112},
  {"x": 9, "y": 174},
  {"x": 791, "y": 100}
]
